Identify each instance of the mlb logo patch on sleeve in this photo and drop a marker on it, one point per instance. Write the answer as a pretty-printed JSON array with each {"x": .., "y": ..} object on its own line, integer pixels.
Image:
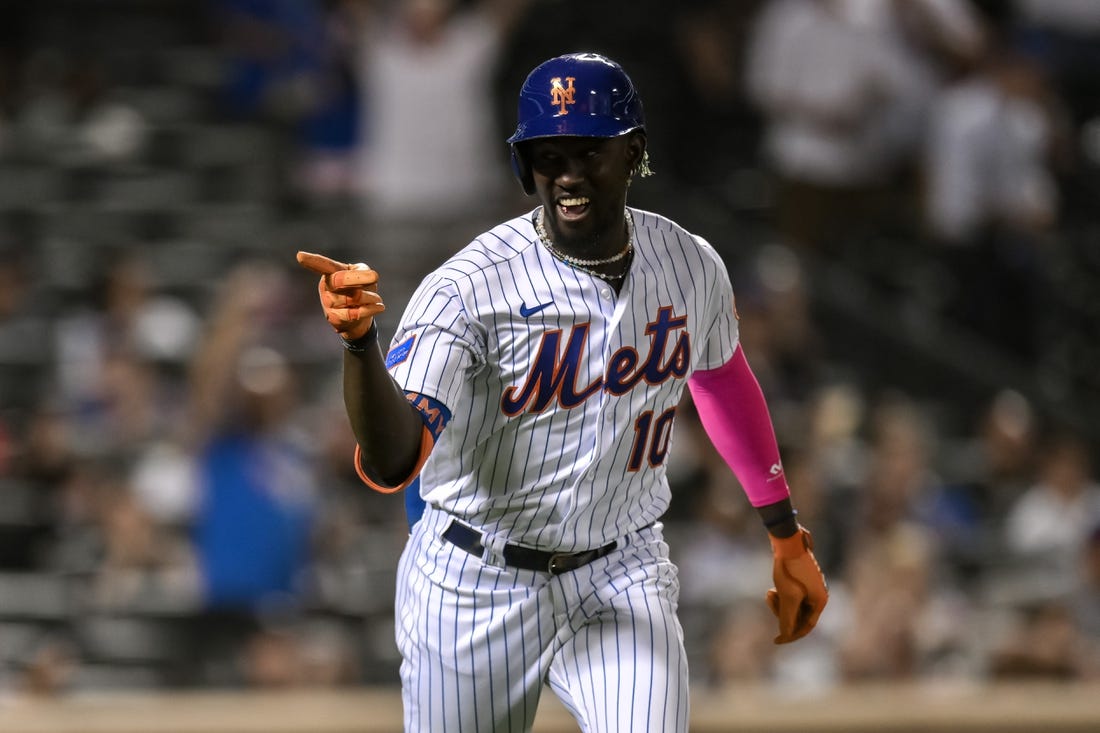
[{"x": 400, "y": 352}]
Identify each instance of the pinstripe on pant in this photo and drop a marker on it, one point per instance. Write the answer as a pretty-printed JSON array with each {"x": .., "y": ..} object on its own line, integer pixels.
[{"x": 479, "y": 641}]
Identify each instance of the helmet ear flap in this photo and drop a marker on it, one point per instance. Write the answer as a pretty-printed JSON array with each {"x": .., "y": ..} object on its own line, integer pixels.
[{"x": 522, "y": 168}]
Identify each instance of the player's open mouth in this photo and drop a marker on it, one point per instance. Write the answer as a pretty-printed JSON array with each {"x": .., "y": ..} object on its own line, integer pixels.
[{"x": 572, "y": 208}]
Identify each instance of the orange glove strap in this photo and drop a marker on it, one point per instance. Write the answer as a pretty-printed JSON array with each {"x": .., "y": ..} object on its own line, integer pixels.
[
  {"x": 788, "y": 548},
  {"x": 427, "y": 442}
]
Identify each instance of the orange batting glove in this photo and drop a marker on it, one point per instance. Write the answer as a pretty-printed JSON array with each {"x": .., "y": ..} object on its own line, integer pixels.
[
  {"x": 800, "y": 593},
  {"x": 349, "y": 294}
]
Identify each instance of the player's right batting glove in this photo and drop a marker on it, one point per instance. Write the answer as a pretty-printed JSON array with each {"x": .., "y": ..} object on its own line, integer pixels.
[
  {"x": 800, "y": 593},
  {"x": 349, "y": 294}
]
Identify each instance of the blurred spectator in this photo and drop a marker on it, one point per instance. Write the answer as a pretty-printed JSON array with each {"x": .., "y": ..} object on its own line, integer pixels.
[
  {"x": 288, "y": 65},
  {"x": 996, "y": 462},
  {"x": 50, "y": 668},
  {"x": 741, "y": 648},
  {"x": 1064, "y": 35},
  {"x": 991, "y": 194},
  {"x": 81, "y": 502},
  {"x": 330, "y": 134},
  {"x": 710, "y": 41},
  {"x": 41, "y": 462},
  {"x": 426, "y": 69},
  {"x": 723, "y": 535},
  {"x": 271, "y": 57},
  {"x": 889, "y": 578},
  {"x": 988, "y": 470},
  {"x": 1047, "y": 527},
  {"x": 841, "y": 98},
  {"x": 906, "y": 618},
  {"x": 432, "y": 167},
  {"x": 115, "y": 355},
  {"x": 778, "y": 331},
  {"x": 900, "y": 483},
  {"x": 254, "y": 517},
  {"x": 272, "y": 659},
  {"x": 833, "y": 440},
  {"x": 824, "y": 497},
  {"x": 944, "y": 36},
  {"x": 71, "y": 113},
  {"x": 1044, "y": 642},
  {"x": 1085, "y": 600},
  {"x": 126, "y": 314},
  {"x": 298, "y": 655},
  {"x": 144, "y": 566}
]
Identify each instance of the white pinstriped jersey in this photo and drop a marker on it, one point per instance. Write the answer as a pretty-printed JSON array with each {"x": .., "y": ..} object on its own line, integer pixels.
[{"x": 561, "y": 392}]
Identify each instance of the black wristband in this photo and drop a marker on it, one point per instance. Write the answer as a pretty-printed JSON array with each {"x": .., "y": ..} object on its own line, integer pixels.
[
  {"x": 780, "y": 520},
  {"x": 364, "y": 342}
]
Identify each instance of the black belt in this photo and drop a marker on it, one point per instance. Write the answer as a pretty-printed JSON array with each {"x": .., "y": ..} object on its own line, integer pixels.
[{"x": 543, "y": 561}]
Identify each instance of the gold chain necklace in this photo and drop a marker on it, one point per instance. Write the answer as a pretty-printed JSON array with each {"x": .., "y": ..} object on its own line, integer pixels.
[{"x": 582, "y": 264}]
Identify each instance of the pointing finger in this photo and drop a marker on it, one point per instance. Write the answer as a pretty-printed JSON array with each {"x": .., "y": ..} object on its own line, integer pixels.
[
  {"x": 338, "y": 275},
  {"x": 319, "y": 263}
]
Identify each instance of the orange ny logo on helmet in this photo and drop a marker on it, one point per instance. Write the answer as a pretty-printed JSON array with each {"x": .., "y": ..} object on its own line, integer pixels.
[{"x": 560, "y": 95}]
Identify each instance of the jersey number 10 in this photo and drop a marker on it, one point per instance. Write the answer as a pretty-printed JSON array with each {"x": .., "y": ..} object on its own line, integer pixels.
[{"x": 651, "y": 438}]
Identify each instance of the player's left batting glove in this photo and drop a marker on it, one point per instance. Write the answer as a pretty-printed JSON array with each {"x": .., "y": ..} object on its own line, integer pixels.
[
  {"x": 349, "y": 294},
  {"x": 800, "y": 593}
]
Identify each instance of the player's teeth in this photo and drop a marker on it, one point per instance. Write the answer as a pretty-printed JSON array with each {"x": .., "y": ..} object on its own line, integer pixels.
[{"x": 580, "y": 201}]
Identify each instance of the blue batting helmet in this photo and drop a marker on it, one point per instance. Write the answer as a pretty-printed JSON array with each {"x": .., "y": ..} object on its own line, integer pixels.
[{"x": 579, "y": 95}]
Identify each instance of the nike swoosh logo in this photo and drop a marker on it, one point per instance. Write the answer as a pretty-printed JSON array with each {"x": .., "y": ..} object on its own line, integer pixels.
[{"x": 528, "y": 312}]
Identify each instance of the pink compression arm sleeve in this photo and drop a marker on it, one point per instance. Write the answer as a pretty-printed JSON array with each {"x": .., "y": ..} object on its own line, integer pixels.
[{"x": 732, "y": 409}]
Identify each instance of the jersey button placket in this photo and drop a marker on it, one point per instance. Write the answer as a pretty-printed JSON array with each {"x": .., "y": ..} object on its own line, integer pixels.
[
  {"x": 605, "y": 425},
  {"x": 613, "y": 344}
]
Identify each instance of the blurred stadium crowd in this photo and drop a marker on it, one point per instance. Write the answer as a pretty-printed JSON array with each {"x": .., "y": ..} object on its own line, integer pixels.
[{"x": 905, "y": 194}]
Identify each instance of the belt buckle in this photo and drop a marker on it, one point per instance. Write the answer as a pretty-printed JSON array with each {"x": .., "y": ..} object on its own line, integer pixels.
[{"x": 551, "y": 566}]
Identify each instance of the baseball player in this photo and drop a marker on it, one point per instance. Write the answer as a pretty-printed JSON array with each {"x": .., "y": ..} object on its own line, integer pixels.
[{"x": 531, "y": 390}]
